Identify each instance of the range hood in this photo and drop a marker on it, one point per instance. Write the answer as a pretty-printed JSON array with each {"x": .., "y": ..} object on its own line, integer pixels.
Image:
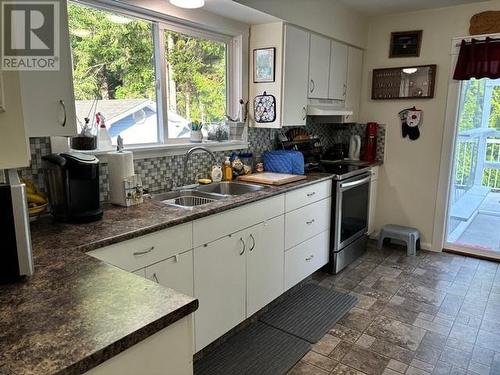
[{"x": 327, "y": 110}]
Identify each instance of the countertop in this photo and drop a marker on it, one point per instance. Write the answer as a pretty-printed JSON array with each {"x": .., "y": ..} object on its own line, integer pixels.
[{"x": 76, "y": 312}]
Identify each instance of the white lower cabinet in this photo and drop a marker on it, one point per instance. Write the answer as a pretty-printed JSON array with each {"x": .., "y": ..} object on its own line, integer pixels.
[
  {"x": 175, "y": 272},
  {"x": 169, "y": 351},
  {"x": 265, "y": 263},
  {"x": 373, "y": 200},
  {"x": 220, "y": 286},
  {"x": 306, "y": 258}
]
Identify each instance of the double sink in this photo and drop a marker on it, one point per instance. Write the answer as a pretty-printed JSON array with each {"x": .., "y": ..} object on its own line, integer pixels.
[{"x": 204, "y": 194}]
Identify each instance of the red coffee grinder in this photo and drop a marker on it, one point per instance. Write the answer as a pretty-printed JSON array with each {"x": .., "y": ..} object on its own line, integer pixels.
[{"x": 370, "y": 153}]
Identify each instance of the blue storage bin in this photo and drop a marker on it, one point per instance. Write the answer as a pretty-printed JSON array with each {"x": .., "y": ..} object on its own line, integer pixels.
[{"x": 284, "y": 161}]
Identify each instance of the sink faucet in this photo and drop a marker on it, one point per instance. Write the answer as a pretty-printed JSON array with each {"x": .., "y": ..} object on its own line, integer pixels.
[{"x": 188, "y": 154}]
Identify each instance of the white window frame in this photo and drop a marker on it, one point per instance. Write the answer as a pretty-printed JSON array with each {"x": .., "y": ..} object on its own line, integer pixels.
[{"x": 234, "y": 78}]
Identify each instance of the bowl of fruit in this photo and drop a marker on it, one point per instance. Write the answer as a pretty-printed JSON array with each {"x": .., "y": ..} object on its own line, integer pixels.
[{"x": 37, "y": 201}]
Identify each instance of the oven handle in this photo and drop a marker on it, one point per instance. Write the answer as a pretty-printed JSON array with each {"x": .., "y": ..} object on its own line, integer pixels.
[{"x": 349, "y": 185}]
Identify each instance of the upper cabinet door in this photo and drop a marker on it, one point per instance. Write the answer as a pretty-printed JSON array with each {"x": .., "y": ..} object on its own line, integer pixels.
[
  {"x": 295, "y": 73},
  {"x": 338, "y": 71},
  {"x": 319, "y": 67},
  {"x": 354, "y": 76},
  {"x": 47, "y": 96}
]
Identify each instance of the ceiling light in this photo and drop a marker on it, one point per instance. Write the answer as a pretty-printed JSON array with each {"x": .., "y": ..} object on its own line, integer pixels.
[
  {"x": 409, "y": 70},
  {"x": 188, "y": 4}
]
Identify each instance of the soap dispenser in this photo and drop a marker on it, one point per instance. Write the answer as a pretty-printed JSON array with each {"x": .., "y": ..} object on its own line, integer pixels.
[{"x": 227, "y": 170}]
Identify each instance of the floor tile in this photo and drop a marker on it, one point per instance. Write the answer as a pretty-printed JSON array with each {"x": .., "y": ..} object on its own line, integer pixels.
[
  {"x": 392, "y": 351},
  {"x": 357, "y": 319},
  {"x": 303, "y": 368},
  {"x": 455, "y": 357},
  {"x": 365, "y": 360},
  {"x": 488, "y": 340},
  {"x": 396, "y": 332},
  {"x": 320, "y": 361},
  {"x": 326, "y": 345},
  {"x": 479, "y": 369},
  {"x": 365, "y": 341},
  {"x": 345, "y": 370},
  {"x": 464, "y": 333},
  {"x": 397, "y": 366},
  {"x": 340, "y": 350},
  {"x": 345, "y": 334}
]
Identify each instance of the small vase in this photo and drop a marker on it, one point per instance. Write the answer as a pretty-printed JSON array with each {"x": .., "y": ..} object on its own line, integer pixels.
[{"x": 196, "y": 136}]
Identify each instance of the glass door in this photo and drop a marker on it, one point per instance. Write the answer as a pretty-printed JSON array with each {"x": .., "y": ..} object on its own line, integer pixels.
[{"x": 473, "y": 222}]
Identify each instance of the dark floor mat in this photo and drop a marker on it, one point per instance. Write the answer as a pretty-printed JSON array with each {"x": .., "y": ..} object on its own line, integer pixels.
[
  {"x": 257, "y": 350},
  {"x": 310, "y": 312}
]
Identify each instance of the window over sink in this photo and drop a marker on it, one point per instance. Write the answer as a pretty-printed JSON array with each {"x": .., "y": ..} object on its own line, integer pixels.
[{"x": 148, "y": 79}]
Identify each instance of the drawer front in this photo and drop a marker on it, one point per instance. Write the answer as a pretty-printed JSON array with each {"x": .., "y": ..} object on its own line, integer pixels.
[
  {"x": 213, "y": 227},
  {"x": 306, "y": 258},
  {"x": 307, "y": 222},
  {"x": 140, "y": 252},
  {"x": 307, "y": 195},
  {"x": 175, "y": 272}
]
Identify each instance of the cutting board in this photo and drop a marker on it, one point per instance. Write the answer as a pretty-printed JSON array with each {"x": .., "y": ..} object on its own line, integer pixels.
[{"x": 270, "y": 178}]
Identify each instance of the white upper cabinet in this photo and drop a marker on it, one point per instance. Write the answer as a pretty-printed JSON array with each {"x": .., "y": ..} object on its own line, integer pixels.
[
  {"x": 295, "y": 76},
  {"x": 47, "y": 96},
  {"x": 338, "y": 71},
  {"x": 354, "y": 75},
  {"x": 319, "y": 67}
]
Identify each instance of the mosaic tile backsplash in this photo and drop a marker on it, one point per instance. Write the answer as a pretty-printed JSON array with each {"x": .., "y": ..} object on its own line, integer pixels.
[{"x": 159, "y": 173}]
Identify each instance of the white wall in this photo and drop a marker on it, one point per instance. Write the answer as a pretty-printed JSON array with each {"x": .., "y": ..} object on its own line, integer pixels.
[
  {"x": 14, "y": 150},
  {"x": 323, "y": 16},
  {"x": 409, "y": 178}
]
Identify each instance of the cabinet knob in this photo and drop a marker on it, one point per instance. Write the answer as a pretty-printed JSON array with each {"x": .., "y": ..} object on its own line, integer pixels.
[
  {"x": 253, "y": 242},
  {"x": 136, "y": 253},
  {"x": 243, "y": 246},
  {"x": 61, "y": 102}
]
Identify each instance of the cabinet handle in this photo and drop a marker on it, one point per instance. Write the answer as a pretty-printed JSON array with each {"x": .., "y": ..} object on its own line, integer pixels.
[
  {"x": 310, "y": 222},
  {"x": 311, "y": 194},
  {"x": 304, "y": 113},
  {"x": 244, "y": 247},
  {"x": 309, "y": 258},
  {"x": 253, "y": 242},
  {"x": 313, "y": 86},
  {"x": 61, "y": 102},
  {"x": 345, "y": 90},
  {"x": 144, "y": 251},
  {"x": 155, "y": 278}
]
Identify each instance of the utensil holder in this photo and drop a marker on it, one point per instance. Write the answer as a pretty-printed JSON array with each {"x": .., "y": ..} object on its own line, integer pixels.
[{"x": 196, "y": 136}]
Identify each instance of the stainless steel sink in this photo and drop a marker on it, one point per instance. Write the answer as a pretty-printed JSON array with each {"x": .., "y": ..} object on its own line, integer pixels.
[
  {"x": 230, "y": 188},
  {"x": 187, "y": 198}
]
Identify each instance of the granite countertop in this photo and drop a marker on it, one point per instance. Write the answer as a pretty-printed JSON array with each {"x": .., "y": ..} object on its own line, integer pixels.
[{"x": 76, "y": 312}]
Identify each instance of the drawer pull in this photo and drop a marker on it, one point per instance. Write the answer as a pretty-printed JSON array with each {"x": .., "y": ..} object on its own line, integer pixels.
[
  {"x": 309, "y": 258},
  {"x": 243, "y": 247},
  {"x": 137, "y": 253},
  {"x": 155, "y": 278},
  {"x": 311, "y": 194},
  {"x": 310, "y": 222},
  {"x": 253, "y": 242}
]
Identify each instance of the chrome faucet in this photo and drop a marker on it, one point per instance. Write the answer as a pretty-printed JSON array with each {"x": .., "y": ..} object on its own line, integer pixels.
[{"x": 188, "y": 154}]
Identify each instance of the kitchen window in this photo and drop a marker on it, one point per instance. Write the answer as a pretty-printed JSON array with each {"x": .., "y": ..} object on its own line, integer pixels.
[{"x": 148, "y": 79}]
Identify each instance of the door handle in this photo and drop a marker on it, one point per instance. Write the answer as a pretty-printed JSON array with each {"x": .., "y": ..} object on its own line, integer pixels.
[
  {"x": 313, "y": 85},
  {"x": 137, "y": 253},
  {"x": 244, "y": 247},
  {"x": 61, "y": 102},
  {"x": 253, "y": 242}
]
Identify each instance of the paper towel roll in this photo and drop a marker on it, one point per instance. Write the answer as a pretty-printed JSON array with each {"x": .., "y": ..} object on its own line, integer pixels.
[{"x": 120, "y": 166}]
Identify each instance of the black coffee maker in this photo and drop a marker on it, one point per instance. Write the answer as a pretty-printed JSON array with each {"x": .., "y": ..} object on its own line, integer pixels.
[{"x": 72, "y": 182}]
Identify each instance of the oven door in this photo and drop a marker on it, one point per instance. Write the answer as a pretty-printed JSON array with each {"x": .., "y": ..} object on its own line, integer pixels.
[{"x": 351, "y": 210}]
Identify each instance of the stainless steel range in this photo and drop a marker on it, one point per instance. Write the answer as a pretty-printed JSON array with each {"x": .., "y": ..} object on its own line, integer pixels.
[{"x": 350, "y": 205}]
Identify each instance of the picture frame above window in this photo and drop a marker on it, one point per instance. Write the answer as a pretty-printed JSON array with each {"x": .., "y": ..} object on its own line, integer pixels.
[
  {"x": 405, "y": 44},
  {"x": 264, "y": 64}
]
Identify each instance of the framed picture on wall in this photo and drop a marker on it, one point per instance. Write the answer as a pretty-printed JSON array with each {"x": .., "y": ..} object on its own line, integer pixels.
[
  {"x": 405, "y": 44},
  {"x": 264, "y": 61},
  {"x": 2, "y": 103}
]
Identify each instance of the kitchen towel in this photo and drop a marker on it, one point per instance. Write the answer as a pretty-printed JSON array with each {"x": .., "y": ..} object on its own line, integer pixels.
[{"x": 120, "y": 166}]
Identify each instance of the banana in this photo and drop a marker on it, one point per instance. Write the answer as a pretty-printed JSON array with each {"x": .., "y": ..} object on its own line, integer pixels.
[
  {"x": 30, "y": 186},
  {"x": 36, "y": 198}
]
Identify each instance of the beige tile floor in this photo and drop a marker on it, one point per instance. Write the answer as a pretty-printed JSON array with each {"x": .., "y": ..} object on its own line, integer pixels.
[{"x": 436, "y": 313}]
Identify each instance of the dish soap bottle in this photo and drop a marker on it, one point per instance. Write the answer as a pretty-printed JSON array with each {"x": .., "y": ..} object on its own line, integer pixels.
[
  {"x": 228, "y": 170},
  {"x": 103, "y": 138}
]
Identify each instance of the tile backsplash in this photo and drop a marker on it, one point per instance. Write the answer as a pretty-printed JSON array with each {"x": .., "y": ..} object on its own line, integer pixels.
[{"x": 158, "y": 173}]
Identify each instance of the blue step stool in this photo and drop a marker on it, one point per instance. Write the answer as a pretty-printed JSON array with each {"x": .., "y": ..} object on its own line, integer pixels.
[{"x": 398, "y": 232}]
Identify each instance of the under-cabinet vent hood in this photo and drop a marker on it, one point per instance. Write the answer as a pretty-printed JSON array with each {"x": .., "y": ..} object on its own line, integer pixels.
[{"x": 327, "y": 110}]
